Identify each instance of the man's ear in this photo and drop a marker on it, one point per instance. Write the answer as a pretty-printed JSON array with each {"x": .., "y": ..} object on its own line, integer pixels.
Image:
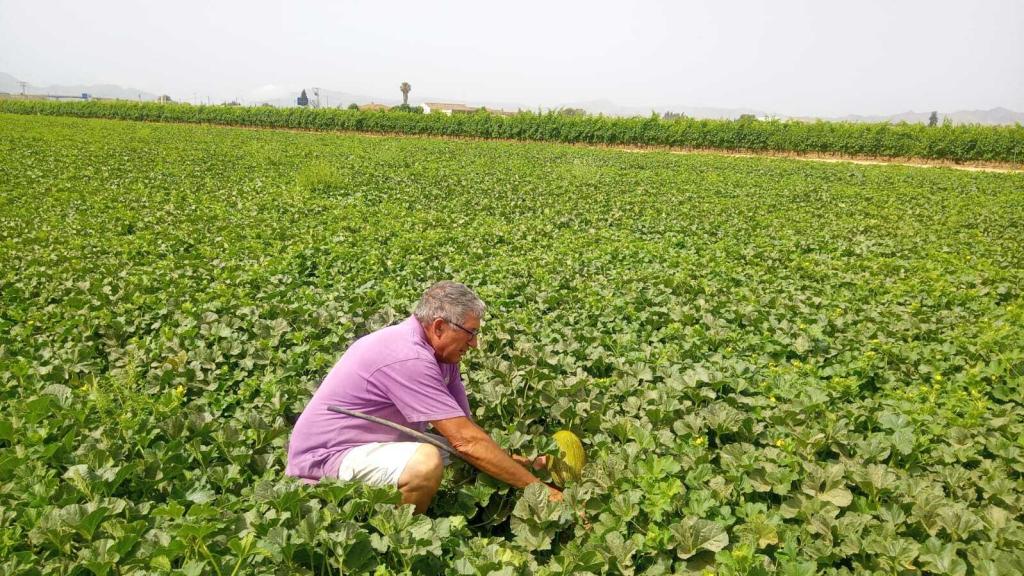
[{"x": 435, "y": 326}]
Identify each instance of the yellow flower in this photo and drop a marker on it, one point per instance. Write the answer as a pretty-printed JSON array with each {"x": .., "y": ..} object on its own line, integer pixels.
[
  {"x": 780, "y": 442},
  {"x": 937, "y": 377}
]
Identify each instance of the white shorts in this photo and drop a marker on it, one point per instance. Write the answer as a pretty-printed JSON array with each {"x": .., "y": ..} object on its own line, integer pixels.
[{"x": 381, "y": 463}]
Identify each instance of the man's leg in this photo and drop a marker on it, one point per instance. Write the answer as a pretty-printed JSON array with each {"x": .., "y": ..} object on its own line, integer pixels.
[{"x": 421, "y": 477}]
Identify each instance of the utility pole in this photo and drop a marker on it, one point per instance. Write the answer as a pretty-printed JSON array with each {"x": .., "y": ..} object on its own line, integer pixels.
[
  {"x": 23, "y": 84},
  {"x": 316, "y": 93}
]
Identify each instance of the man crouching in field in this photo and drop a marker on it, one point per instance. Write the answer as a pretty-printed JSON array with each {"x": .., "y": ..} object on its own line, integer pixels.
[{"x": 409, "y": 374}]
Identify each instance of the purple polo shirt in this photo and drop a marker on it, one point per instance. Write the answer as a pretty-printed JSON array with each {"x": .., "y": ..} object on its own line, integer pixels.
[{"x": 391, "y": 374}]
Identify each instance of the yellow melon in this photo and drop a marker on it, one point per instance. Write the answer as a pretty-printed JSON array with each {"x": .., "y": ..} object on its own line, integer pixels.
[{"x": 571, "y": 459}]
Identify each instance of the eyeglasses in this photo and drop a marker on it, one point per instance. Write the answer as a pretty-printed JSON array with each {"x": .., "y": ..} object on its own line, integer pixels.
[{"x": 472, "y": 333}]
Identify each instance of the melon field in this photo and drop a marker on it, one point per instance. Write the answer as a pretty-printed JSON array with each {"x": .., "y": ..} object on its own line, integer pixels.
[{"x": 776, "y": 366}]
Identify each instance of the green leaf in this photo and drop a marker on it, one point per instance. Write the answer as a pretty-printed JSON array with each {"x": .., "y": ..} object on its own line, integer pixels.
[
  {"x": 81, "y": 477},
  {"x": 620, "y": 551},
  {"x": 799, "y": 568},
  {"x": 83, "y": 520},
  {"x": 827, "y": 484},
  {"x": 839, "y": 496},
  {"x": 6, "y": 430},
  {"x": 171, "y": 510},
  {"x": 200, "y": 495},
  {"x": 379, "y": 543},
  {"x": 903, "y": 441},
  {"x": 535, "y": 504},
  {"x": 193, "y": 567},
  {"x": 959, "y": 521},
  {"x": 536, "y": 519},
  {"x": 694, "y": 534},
  {"x": 160, "y": 562},
  {"x": 532, "y": 536},
  {"x": 941, "y": 558}
]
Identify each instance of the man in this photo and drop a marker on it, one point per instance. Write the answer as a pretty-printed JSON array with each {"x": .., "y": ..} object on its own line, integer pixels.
[{"x": 409, "y": 374}]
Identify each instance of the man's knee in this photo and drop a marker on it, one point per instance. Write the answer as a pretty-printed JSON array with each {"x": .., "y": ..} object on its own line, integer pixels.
[{"x": 425, "y": 467}]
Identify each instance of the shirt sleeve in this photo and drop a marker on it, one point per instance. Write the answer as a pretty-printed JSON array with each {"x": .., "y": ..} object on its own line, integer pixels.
[
  {"x": 418, "y": 389},
  {"x": 458, "y": 391}
]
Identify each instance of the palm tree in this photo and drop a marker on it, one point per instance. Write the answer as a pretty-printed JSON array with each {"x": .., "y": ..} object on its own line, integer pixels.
[{"x": 405, "y": 88}]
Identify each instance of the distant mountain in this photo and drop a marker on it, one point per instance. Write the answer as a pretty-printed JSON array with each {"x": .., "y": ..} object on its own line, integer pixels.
[
  {"x": 609, "y": 108},
  {"x": 993, "y": 117},
  {"x": 328, "y": 98},
  {"x": 11, "y": 85}
]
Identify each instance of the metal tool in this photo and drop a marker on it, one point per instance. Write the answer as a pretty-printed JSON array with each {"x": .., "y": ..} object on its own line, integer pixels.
[{"x": 405, "y": 429}]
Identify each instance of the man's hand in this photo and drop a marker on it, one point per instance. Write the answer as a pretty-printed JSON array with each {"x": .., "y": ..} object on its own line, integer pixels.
[
  {"x": 554, "y": 494},
  {"x": 538, "y": 463}
]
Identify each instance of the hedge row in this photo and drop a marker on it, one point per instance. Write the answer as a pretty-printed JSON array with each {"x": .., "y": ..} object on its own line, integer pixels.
[{"x": 956, "y": 143}]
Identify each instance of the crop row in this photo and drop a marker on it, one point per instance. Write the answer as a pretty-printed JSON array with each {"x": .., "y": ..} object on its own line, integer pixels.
[{"x": 970, "y": 143}]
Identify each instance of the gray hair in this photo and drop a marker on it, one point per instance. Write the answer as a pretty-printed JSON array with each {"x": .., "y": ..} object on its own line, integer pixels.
[{"x": 449, "y": 301}]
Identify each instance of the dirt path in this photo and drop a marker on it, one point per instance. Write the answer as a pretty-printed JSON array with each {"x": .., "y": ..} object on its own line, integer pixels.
[{"x": 816, "y": 157}]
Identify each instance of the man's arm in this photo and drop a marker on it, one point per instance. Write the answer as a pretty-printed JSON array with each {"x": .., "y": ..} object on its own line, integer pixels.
[{"x": 476, "y": 446}]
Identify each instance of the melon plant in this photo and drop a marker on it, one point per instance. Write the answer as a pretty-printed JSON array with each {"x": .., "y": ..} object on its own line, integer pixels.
[{"x": 778, "y": 367}]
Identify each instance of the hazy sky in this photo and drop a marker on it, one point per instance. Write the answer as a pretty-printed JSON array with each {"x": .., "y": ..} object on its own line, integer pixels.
[{"x": 792, "y": 57}]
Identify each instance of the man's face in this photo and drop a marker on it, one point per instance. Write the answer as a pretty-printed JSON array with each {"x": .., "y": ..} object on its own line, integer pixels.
[{"x": 451, "y": 340}]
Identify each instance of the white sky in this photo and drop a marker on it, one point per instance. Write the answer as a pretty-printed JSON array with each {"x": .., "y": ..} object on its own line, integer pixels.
[{"x": 791, "y": 57}]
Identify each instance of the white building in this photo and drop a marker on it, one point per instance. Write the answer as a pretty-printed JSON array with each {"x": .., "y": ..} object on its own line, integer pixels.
[{"x": 446, "y": 108}]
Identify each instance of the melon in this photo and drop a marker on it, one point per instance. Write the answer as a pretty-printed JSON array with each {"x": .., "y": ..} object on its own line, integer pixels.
[{"x": 568, "y": 465}]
